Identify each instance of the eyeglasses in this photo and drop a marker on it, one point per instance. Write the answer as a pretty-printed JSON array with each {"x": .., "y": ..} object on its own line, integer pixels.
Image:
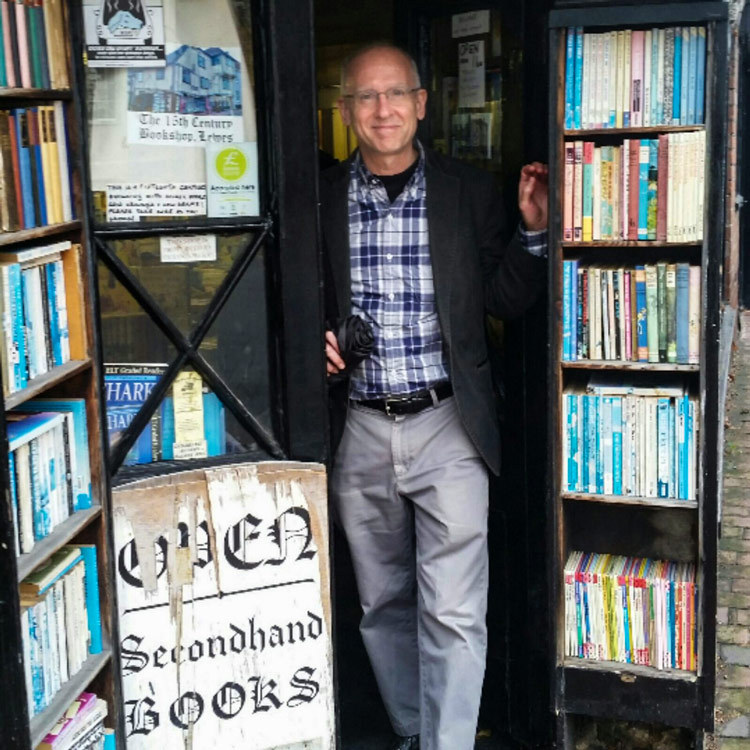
[{"x": 395, "y": 95}]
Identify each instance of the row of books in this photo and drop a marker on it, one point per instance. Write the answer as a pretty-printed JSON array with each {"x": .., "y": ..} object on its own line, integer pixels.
[
  {"x": 60, "y": 621},
  {"x": 631, "y": 610},
  {"x": 127, "y": 386},
  {"x": 648, "y": 313},
  {"x": 644, "y": 189},
  {"x": 630, "y": 441},
  {"x": 35, "y": 177},
  {"x": 635, "y": 77},
  {"x": 34, "y": 45},
  {"x": 49, "y": 466},
  {"x": 81, "y": 727},
  {"x": 34, "y": 314}
]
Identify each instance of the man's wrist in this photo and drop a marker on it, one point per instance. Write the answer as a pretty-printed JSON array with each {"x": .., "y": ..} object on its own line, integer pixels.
[{"x": 533, "y": 241}]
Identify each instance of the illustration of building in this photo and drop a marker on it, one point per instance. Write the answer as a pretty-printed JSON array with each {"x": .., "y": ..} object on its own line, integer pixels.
[{"x": 194, "y": 81}]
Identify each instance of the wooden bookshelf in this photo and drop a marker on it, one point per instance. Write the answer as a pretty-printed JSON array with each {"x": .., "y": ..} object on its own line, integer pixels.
[
  {"x": 683, "y": 531},
  {"x": 79, "y": 378}
]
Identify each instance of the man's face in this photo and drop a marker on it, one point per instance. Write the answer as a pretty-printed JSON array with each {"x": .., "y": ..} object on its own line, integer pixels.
[{"x": 383, "y": 128}]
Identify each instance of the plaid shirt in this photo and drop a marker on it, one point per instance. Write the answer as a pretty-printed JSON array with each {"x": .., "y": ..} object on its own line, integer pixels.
[{"x": 392, "y": 284}]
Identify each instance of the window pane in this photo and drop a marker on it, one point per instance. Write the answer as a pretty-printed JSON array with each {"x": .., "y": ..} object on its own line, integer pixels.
[{"x": 158, "y": 135}]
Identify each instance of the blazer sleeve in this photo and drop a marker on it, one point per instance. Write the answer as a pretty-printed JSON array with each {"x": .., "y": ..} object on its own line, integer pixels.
[{"x": 513, "y": 278}]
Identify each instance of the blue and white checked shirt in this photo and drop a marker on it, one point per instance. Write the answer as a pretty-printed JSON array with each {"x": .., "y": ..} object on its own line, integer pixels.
[{"x": 392, "y": 285}]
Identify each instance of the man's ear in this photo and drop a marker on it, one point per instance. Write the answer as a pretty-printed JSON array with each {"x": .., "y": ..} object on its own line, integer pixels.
[
  {"x": 346, "y": 115},
  {"x": 421, "y": 103}
]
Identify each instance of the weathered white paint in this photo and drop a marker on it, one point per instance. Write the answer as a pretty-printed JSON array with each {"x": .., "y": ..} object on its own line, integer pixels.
[{"x": 224, "y": 607}]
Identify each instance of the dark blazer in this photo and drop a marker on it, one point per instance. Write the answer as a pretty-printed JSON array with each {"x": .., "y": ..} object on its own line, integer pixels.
[{"x": 473, "y": 272}]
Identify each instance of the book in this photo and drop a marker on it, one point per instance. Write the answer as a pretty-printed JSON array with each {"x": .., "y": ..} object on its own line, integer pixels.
[
  {"x": 38, "y": 582},
  {"x": 89, "y": 554},
  {"x": 65, "y": 725}
]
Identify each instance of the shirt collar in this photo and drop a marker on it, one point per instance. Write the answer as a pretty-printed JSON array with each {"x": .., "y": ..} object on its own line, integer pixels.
[{"x": 367, "y": 182}]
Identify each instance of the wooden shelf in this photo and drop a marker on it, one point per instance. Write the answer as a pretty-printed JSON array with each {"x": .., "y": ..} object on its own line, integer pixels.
[
  {"x": 651, "y": 129},
  {"x": 648, "y": 502},
  {"x": 627, "y": 243},
  {"x": 40, "y": 384},
  {"x": 605, "y": 364},
  {"x": 45, "y": 94},
  {"x": 44, "y": 721},
  {"x": 636, "y": 670},
  {"x": 38, "y": 233},
  {"x": 59, "y": 536}
]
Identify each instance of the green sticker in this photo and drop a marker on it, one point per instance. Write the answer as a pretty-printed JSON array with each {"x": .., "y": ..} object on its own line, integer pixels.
[{"x": 231, "y": 164}]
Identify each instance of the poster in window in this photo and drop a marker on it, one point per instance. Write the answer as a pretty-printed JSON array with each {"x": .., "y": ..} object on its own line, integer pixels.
[{"x": 124, "y": 33}]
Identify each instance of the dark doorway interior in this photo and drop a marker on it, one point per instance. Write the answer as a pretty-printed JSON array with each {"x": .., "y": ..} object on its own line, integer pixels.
[{"x": 515, "y": 704}]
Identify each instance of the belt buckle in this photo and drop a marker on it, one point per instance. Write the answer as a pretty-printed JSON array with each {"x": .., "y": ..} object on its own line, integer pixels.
[{"x": 393, "y": 400}]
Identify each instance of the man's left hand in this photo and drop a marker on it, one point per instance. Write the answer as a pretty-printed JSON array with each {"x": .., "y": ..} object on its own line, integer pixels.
[{"x": 532, "y": 196}]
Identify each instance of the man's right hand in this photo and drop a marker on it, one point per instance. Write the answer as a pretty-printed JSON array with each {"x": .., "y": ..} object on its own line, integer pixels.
[{"x": 334, "y": 362}]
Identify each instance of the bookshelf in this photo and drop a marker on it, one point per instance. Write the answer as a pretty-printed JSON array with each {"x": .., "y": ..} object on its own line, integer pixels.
[
  {"x": 593, "y": 674},
  {"x": 59, "y": 220}
]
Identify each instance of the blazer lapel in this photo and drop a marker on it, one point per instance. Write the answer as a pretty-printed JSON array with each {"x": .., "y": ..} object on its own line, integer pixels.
[
  {"x": 442, "y": 216},
  {"x": 335, "y": 223}
]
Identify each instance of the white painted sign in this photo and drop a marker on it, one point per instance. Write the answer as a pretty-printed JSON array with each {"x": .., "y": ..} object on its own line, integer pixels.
[
  {"x": 471, "y": 74},
  {"x": 224, "y": 609},
  {"x": 188, "y": 248},
  {"x": 470, "y": 24},
  {"x": 134, "y": 201}
]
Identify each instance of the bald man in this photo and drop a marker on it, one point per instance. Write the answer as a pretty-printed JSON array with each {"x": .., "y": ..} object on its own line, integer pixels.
[{"x": 413, "y": 244}]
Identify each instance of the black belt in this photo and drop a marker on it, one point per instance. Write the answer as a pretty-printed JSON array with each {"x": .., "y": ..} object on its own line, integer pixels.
[{"x": 410, "y": 404}]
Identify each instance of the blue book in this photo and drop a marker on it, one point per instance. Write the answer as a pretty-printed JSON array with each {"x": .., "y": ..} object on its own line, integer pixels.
[
  {"x": 35, "y": 648},
  {"x": 573, "y": 445},
  {"x": 167, "y": 429},
  {"x": 573, "y": 310},
  {"x": 677, "y": 77},
  {"x": 62, "y": 305},
  {"x": 24, "y": 168},
  {"x": 643, "y": 166},
  {"x": 14, "y": 500},
  {"x": 617, "y": 445},
  {"x": 685, "y": 75},
  {"x": 690, "y": 450},
  {"x": 81, "y": 482},
  {"x": 692, "y": 75},
  {"x": 19, "y": 326},
  {"x": 606, "y": 445},
  {"x": 567, "y": 323},
  {"x": 578, "y": 87},
  {"x": 54, "y": 319},
  {"x": 682, "y": 448},
  {"x": 651, "y": 192},
  {"x": 586, "y": 446},
  {"x": 93, "y": 611},
  {"x": 672, "y": 449},
  {"x": 641, "y": 313},
  {"x": 110, "y": 742},
  {"x": 37, "y": 184},
  {"x": 126, "y": 389},
  {"x": 599, "y": 446},
  {"x": 214, "y": 420},
  {"x": 570, "y": 64},
  {"x": 700, "y": 80},
  {"x": 662, "y": 447},
  {"x": 622, "y": 581},
  {"x": 30, "y": 324}
]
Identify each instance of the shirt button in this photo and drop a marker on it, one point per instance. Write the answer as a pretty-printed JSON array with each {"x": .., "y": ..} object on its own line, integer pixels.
[
  {"x": 389, "y": 256},
  {"x": 391, "y": 296}
]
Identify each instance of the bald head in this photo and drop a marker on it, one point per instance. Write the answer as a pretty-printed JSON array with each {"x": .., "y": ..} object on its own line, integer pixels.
[{"x": 375, "y": 52}]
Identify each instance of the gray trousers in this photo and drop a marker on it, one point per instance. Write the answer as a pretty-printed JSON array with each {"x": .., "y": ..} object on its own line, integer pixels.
[{"x": 411, "y": 495}]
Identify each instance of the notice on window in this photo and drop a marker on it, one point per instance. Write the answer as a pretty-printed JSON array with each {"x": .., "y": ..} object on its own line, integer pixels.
[
  {"x": 193, "y": 101},
  {"x": 187, "y": 394},
  {"x": 135, "y": 201},
  {"x": 471, "y": 74},
  {"x": 232, "y": 180},
  {"x": 124, "y": 33},
  {"x": 189, "y": 248},
  {"x": 470, "y": 24}
]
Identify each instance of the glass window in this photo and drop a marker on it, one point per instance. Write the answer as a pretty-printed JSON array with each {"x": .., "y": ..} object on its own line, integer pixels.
[
  {"x": 160, "y": 75},
  {"x": 186, "y": 75}
]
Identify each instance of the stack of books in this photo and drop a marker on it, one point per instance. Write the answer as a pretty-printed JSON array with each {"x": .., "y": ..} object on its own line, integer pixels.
[
  {"x": 81, "y": 727},
  {"x": 34, "y": 45},
  {"x": 34, "y": 167},
  {"x": 49, "y": 466},
  {"x": 649, "y": 313},
  {"x": 641, "y": 189},
  {"x": 34, "y": 314},
  {"x": 631, "y": 610},
  {"x": 635, "y": 78},
  {"x": 60, "y": 621},
  {"x": 633, "y": 441}
]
